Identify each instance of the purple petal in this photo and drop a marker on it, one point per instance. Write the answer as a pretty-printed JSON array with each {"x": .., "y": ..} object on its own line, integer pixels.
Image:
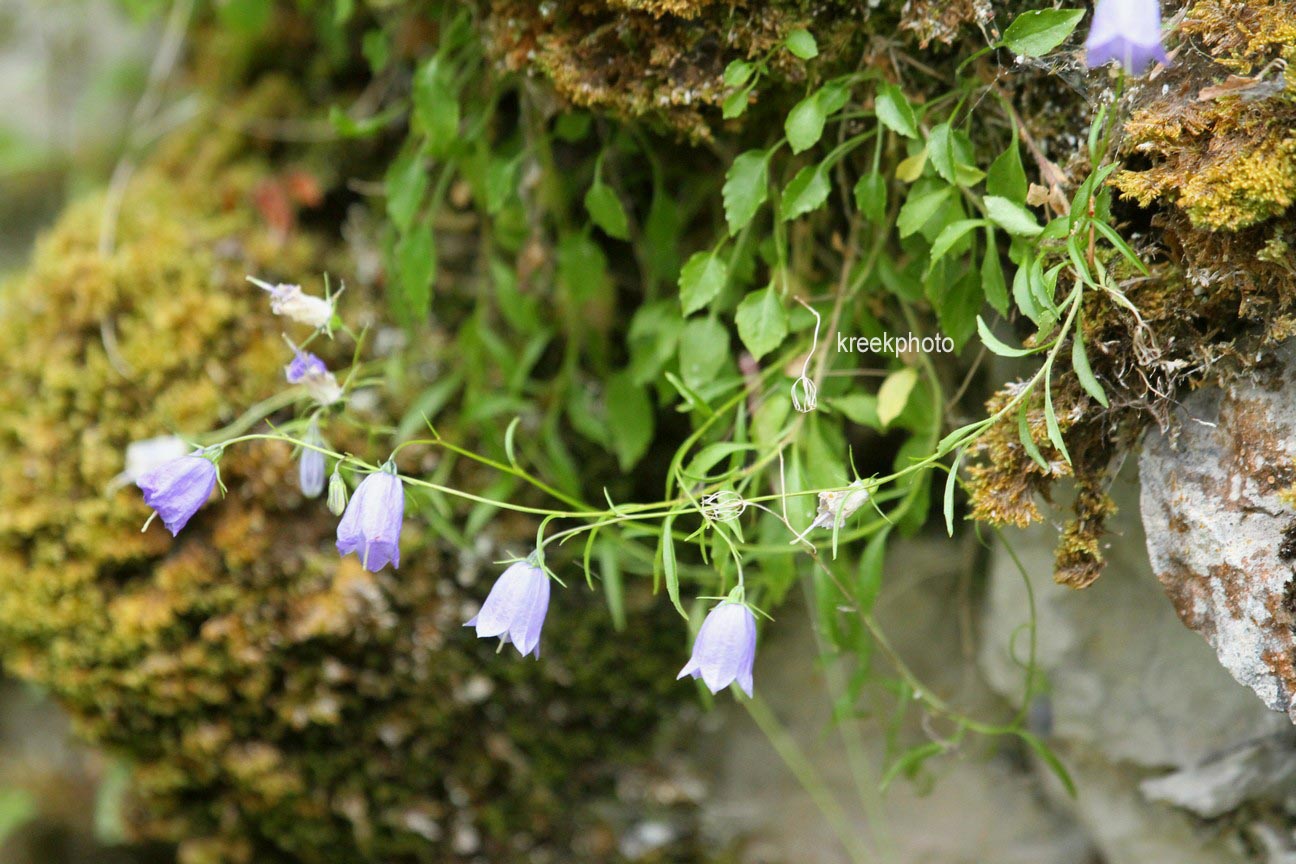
[
  {"x": 515, "y": 608},
  {"x": 371, "y": 525},
  {"x": 304, "y": 365},
  {"x": 725, "y": 648},
  {"x": 1128, "y": 31},
  {"x": 177, "y": 489}
]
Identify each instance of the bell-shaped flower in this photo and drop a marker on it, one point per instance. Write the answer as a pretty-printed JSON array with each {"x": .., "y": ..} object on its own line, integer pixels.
[
  {"x": 293, "y": 303},
  {"x": 310, "y": 467},
  {"x": 1128, "y": 31},
  {"x": 371, "y": 525},
  {"x": 515, "y": 608},
  {"x": 725, "y": 648},
  {"x": 310, "y": 372},
  {"x": 178, "y": 488}
]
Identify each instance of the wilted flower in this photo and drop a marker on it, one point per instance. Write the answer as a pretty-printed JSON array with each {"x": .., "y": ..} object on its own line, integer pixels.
[
  {"x": 725, "y": 648},
  {"x": 337, "y": 492},
  {"x": 143, "y": 456},
  {"x": 176, "y": 489},
  {"x": 515, "y": 608},
  {"x": 1128, "y": 31},
  {"x": 310, "y": 469},
  {"x": 309, "y": 371},
  {"x": 291, "y": 302},
  {"x": 723, "y": 506},
  {"x": 371, "y": 525}
]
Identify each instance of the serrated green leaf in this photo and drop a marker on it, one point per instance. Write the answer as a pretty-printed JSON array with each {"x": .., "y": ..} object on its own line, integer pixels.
[
  {"x": 951, "y": 234},
  {"x": 746, "y": 188},
  {"x": 1036, "y": 33},
  {"x": 405, "y": 183},
  {"x": 416, "y": 266},
  {"x": 1007, "y": 176},
  {"x": 807, "y": 191},
  {"x": 762, "y": 321},
  {"x": 992, "y": 276},
  {"x": 604, "y": 208},
  {"x": 802, "y": 44},
  {"x": 918, "y": 208},
  {"x": 436, "y": 107},
  {"x": 894, "y": 112},
  {"x": 701, "y": 279},
  {"x": 871, "y": 196},
  {"x": 805, "y": 123},
  {"x": 1012, "y": 217}
]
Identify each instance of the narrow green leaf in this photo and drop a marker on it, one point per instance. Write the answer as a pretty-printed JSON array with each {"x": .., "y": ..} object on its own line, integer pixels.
[
  {"x": 909, "y": 762},
  {"x": 919, "y": 208},
  {"x": 1051, "y": 421},
  {"x": 894, "y": 112},
  {"x": 416, "y": 266},
  {"x": 1080, "y": 362},
  {"x": 870, "y": 570},
  {"x": 1028, "y": 440},
  {"x": 670, "y": 569},
  {"x": 613, "y": 590},
  {"x": 701, "y": 279},
  {"x": 1050, "y": 759},
  {"x": 992, "y": 342},
  {"x": 951, "y": 481}
]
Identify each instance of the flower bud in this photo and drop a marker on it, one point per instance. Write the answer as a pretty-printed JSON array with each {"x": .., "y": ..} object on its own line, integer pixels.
[
  {"x": 310, "y": 473},
  {"x": 337, "y": 493}
]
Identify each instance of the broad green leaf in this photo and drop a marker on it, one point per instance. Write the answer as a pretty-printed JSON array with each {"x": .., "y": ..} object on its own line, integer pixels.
[
  {"x": 17, "y": 808},
  {"x": 738, "y": 72},
  {"x": 894, "y": 112},
  {"x": 805, "y": 123},
  {"x": 701, "y": 279},
  {"x": 871, "y": 196},
  {"x": 1034, "y": 34},
  {"x": 894, "y": 394},
  {"x": 802, "y": 44},
  {"x": 1080, "y": 363},
  {"x": 703, "y": 350},
  {"x": 1007, "y": 177},
  {"x": 951, "y": 234},
  {"x": 861, "y": 408},
  {"x": 436, "y": 107},
  {"x": 807, "y": 191},
  {"x": 1012, "y": 217},
  {"x": 918, "y": 208},
  {"x": 735, "y": 104},
  {"x": 745, "y": 189},
  {"x": 405, "y": 183},
  {"x": 630, "y": 417},
  {"x": 940, "y": 150},
  {"x": 992, "y": 276},
  {"x": 416, "y": 265},
  {"x": 762, "y": 321},
  {"x": 605, "y": 210}
]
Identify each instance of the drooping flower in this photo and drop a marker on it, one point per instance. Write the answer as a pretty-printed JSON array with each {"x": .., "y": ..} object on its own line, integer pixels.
[
  {"x": 310, "y": 468},
  {"x": 1128, "y": 31},
  {"x": 143, "y": 456},
  {"x": 725, "y": 648},
  {"x": 310, "y": 372},
  {"x": 291, "y": 302},
  {"x": 371, "y": 525},
  {"x": 515, "y": 608},
  {"x": 178, "y": 488}
]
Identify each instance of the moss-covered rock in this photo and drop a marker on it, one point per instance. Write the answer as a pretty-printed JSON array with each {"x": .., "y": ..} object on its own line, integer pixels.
[{"x": 277, "y": 703}]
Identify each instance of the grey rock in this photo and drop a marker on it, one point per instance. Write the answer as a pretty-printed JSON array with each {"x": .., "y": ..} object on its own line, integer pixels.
[
  {"x": 1265, "y": 768},
  {"x": 1217, "y": 527}
]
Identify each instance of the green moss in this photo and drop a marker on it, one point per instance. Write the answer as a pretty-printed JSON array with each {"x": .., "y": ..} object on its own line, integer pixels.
[{"x": 278, "y": 703}]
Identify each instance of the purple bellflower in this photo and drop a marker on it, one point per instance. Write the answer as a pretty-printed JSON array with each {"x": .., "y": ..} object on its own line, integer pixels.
[
  {"x": 515, "y": 608},
  {"x": 371, "y": 525},
  {"x": 1128, "y": 31},
  {"x": 725, "y": 648},
  {"x": 310, "y": 468},
  {"x": 178, "y": 488}
]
